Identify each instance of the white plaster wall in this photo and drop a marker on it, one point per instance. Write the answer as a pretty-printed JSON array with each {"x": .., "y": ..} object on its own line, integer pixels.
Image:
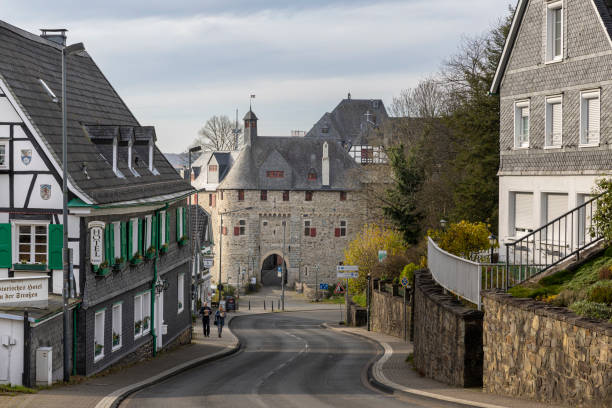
[
  {"x": 573, "y": 186},
  {"x": 4, "y": 191},
  {"x": 4, "y": 273},
  {"x": 4, "y": 218},
  {"x": 7, "y": 113},
  {"x": 11, "y": 357},
  {"x": 21, "y": 186},
  {"x": 58, "y": 279},
  {"x": 18, "y": 132},
  {"x": 35, "y": 164},
  {"x": 5, "y": 131},
  {"x": 55, "y": 202}
]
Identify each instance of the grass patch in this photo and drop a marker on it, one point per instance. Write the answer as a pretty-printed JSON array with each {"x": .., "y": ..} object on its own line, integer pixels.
[
  {"x": 336, "y": 300},
  {"x": 8, "y": 389}
]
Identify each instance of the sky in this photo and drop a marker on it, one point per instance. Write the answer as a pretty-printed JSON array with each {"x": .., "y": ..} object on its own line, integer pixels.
[{"x": 177, "y": 63}]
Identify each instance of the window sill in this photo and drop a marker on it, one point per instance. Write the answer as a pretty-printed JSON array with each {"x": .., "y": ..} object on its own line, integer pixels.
[
  {"x": 30, "y": 267},
  {"x": 589, "y": 145},
  {"x": 116, "y": 348},
  {"x": 554, "y": 61},
  {"x": 520, "y": 147},
  {"x": 552, "y": 147},
  {"x": 98, "y": 358},
  {"x": 137, "y": 336}
]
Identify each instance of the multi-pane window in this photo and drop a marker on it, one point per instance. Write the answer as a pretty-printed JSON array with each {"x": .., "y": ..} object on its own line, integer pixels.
[
  {"x": 149, "y": 230},
  {"x": 142, "y": 314},
  {"x": 117, "y": 238},
  {"x": 521, "y": 124},
  {"x": 263, "y": 195},
  {"x": 212, "y": 200},
  {"x": 117, "y": 332},
  {"x": 342, "y": 228},
  {"x": 162, "y": 227},
  {"x": 554, "y": 31},
  {"x": 554, "y": 122},
  {"x": 589, "y": 118},
  {"x": 306, "y": 228},
  {"x": 275, "y": 174},
  {"x": 240, "y": 195},
  {"x": 138, "y": 316},
  {"x": 285, "y": 195},
  {"x": 212, "y": 167},
  {"x": 32, "y": 244},
  {"x": 99, "y": 335},
  {"x": 312, "y": 175},
  {"x": 181, "y": 292},
  {"x": 242, "y": 226},
  {"x": 3, "y": 154},
  {"x": 308, "y": 196}
]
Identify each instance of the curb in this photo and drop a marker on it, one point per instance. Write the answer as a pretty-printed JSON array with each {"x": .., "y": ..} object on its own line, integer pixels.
[
  {"x": 114, "y": 399},
  {"x": 377, "y": 378}
]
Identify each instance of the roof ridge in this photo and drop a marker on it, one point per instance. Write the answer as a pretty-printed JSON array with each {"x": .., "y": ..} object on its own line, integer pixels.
[{"x": 29, "y": 35}]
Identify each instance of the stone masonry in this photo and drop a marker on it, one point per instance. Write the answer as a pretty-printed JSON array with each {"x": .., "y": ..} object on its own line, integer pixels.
[
  {"x": 546, "y": 353},
  {"x": 387, "y": 313}
]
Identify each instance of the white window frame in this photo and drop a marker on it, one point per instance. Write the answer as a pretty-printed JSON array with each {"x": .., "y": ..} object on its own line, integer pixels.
[
  {"x": 117, "y": 239},
  {"x": 99, "y": 337},
  {"x": 585, "y": 96},
  {"x": 550, "y": 102},
  {"x": 15, "y": 233},
  {"x": 146, "y": 311},
  {"x": 162, "y": 227},
  {"x": 343, "y": 228},
  {"x": 134, "y": 237},
  {"x": 117, "y": 325},
  {"x": 180, "y": 222},
  {"x": 7, "y": 152},
  {"x": 551, "y": 54},
  {"x": 138, "y": 315},
  {"x": 149, "y": 234},
  {"x": 518, "y": 106},
  {"x": 180, "y": 280}
]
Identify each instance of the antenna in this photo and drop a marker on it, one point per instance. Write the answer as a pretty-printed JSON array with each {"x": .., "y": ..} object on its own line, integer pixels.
[
  {"x": 54, "y": 98},
  {"x": 236, "y": 132},
  {"x": 251, "y": 100}
]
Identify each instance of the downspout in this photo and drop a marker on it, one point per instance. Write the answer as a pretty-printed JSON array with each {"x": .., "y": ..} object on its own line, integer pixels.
[
  {"x": 74, "y": 338},
  {"x": 153, "y": 306}
]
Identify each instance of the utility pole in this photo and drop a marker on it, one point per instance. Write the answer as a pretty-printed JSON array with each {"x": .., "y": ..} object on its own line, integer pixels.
[
  {"x": 316, "y": 282},
  {"x": 284, "y": 268}
]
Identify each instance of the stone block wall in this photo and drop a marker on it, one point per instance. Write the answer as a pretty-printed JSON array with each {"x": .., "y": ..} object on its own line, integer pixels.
[
  {"x": 356, "y": 315},
  {"x": 447, "y": 335},
  {"x": 388, "y": 312},
  {"x": 546, "y": 353}
]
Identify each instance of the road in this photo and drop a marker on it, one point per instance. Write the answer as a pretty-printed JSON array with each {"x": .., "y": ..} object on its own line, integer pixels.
[{"x": 286, "y": 360}]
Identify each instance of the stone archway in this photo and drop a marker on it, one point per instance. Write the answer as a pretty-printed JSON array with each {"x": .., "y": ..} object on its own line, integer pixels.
[{"x": 268, "y": 266}]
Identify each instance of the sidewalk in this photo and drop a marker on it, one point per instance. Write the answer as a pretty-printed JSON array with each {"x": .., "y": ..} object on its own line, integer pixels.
[
  {"x": 102, "y": 390},
  {"x": 392, "y": 371}
]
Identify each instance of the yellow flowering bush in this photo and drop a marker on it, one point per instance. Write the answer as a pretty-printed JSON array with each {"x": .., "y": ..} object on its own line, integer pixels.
[{"x": 465, "y": 239}]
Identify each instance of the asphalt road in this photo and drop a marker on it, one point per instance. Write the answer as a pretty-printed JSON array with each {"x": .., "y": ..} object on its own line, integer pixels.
[{"x": 286, "y": 360}]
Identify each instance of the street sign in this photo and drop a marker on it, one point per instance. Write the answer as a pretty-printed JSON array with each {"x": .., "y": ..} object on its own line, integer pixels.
[
  {"x": 323, "y": 286},
  {"x": 347, "y": 268},
  {"x": 253, "y": 280},
  {"x": 405, "y": 282},
  {"x": 279, "y": 271},
  {"x": 347, "y": 275},
  {"x": 339, "y": 289},
  {"x": 382, "y": 254},
  {"x": 207, "y": 263},
  {"x": 24, "y": 292}
]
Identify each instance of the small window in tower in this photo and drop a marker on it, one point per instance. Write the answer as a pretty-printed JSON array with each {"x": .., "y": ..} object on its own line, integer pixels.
[
  {"x": 212, "y": 168},
  {"x": 275, "y": 174},
  {"x": 246, "y": 124},
  {"x": 312, "y": 175},
  {"x": 306, "y": 228},
  {"x": 240, "y": 195},
  {"x": 375, "y": 104},
  {"x": 308, "y": 196},
  {"x": 242, "y": 225},
  {"x": 263, "y": 195},
  {"x": 343, "y": 196},
  {"x": 286, "y": 195},
  {"x": 325, "y": 129}
]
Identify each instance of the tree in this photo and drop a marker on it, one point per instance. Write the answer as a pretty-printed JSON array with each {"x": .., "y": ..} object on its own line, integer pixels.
[
  {"x": 465, "y": 239},
  {"x": 363, "y": 251},
  {"x": 219, "y": 134},
  {"x": 401, "y": 204},
  {"x": 426, "y": 100}
]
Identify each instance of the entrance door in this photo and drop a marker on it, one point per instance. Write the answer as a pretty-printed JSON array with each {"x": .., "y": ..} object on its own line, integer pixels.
[
  {"x": 159, "y": 319},
  {"x": 269, "y": 270}
]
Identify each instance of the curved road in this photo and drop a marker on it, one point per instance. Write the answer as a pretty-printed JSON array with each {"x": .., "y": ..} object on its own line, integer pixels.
[{"x": 286, "y": 360}]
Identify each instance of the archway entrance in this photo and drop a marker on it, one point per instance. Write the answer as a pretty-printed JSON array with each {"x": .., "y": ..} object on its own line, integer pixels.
[{"x": 269, "y": 270}]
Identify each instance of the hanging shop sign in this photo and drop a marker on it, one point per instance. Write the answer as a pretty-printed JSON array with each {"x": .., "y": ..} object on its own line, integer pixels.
[
  {"x": 96, "y": 248},
  {"x": 45, "y": 191}
]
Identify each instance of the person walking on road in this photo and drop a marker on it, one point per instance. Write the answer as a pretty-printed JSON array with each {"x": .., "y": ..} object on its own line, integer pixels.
[
  {"x": 220, "y": 319},
  {"x": 205, "y": 312}
]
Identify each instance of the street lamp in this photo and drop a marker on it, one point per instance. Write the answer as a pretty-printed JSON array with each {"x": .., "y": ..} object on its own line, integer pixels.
[
  {"x": 368, "y": 289},
  {"x": 443, "y": 223},
  {"x": 492, "y": 241},
  {"x": 284, "y": 269},
  {"x": 219, "y": 286}
]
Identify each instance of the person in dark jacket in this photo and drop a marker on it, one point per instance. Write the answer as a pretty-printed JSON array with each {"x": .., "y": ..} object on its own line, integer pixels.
[
  {"x": 205, "y": 312},
  {"x": 220, "y": 319}
]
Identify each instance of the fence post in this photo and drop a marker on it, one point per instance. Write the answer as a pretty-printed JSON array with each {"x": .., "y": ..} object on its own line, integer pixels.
[
  {"x": 507, "y": 266},
  {"x": 479, "y": 267}
]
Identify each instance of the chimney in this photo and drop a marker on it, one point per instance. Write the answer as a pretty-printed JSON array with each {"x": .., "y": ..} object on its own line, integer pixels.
[
  {"x": 250, "y": 128},
  {"x": 115, "y": 146},
  {"x": 57, "y": 35},
  {"x": 325, "y": 166}
]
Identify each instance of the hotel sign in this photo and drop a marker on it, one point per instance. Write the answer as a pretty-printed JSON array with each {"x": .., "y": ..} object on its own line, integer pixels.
[
  {"x": 96, "y": 249},
  {"x": 26, "y": 292}
]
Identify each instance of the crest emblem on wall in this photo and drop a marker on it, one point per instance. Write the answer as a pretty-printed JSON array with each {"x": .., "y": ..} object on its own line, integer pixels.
[
  {"x": 45, "y": 191},
  {"x": 26, "y": 156}
]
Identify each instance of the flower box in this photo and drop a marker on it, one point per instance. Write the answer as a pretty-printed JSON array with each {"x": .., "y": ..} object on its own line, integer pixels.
[
  {"x": 136, "y": 260},
  {"x": 116, "y": 339},
  {"x": 163, "y": 249},
  {"x": 29, "y": 267},
  {"x": 150, "y": 254},
  {"x": 119, "y": 264},
  {"x": 101, "y": 270},
  {"x": 145, "y": 323},
  {"x": 183, "y": 241},
  {"x": 137, "y": 326},
  {"x": 99, "y": 348}
]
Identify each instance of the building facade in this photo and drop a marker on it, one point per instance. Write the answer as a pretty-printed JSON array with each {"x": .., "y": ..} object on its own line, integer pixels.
[
  {"x": 130, "y": 285},
  {"x": 554, "y": 83},
  {"x": 292, "y": 198}
]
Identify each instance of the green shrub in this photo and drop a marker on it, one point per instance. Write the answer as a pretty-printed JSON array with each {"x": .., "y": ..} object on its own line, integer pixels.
[
  {"x": 605, "y": 273},
  {"x": 592, "y": 310},
  {"x": 601, "y": 292},
  {"x": 608, "y": 252},
  {"x": 360, "y": 299},
  {"x": 566, "y": 297},
  {"x": 520, "y": 292},
  {"x": 408, "y": 272},
  {"x": 557, "y": 278}
]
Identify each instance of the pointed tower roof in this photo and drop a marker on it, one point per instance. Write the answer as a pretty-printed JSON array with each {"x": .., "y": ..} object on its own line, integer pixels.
[{"x": 250, "y": 116}]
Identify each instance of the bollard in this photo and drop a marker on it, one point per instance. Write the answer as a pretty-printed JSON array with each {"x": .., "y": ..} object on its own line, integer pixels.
[
  {"x": 264, "y": 304},
  {"x": 273, "y": 305},
  {"x": 249, "y": 304},
  {"x": 278, "y": 304}
]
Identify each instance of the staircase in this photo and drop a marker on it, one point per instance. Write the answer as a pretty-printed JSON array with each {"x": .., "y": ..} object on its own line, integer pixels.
[{"x": 559, "y": 240}]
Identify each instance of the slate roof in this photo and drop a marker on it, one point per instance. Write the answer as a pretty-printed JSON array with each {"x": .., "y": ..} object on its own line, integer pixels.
[
  {"x": 347, "y": 122},
  {"x": 24, "y": 59},
  {"x": 296, "y": 157},
  {"x": 604, "y": 7}
]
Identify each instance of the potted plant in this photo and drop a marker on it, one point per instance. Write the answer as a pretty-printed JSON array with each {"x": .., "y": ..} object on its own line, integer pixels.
[
  {"x": 118, "y": 265},
  {"x": 164, "y": 248},
  {"x": 145, "y": 323},
  {"x": 102, "y": 269},
  {"x": 98, "y": 348},
  {"x": 183, "y": 240},
  {"x": 116, "y": 339},
  {"x": 136, "y": 259},
  {"x": 150, "y": 254},
  {"x": 137, "y": 326}
]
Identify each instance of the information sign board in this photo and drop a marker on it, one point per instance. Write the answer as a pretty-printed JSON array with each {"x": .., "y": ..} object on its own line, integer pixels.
[
  {"x": 347, "y": 268},
  {"x": 28, "y": 292},
  {"x": 347, "y": 275},
  {"x": 323, "y": 286}
]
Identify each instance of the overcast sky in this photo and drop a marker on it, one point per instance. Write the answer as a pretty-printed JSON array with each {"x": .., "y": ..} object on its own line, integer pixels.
[{"x": 176, "y": 63}]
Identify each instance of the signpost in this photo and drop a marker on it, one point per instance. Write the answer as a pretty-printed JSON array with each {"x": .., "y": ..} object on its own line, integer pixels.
[
  {"x": 207, "y": 262},
  {"x": 346, "y": 272},
  {"x": 279, "y": 271},
  {"x": 382, "y": 255}
]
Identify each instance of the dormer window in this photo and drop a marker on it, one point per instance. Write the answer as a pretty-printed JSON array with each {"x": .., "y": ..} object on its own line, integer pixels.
[
  {"x": 131, "y": 158},
  {"x": 212, "y": 168},
  {"x": 554, "y": 31},
  {"x": 312, "y": 175},
  {"x": 325, "y": 129}
]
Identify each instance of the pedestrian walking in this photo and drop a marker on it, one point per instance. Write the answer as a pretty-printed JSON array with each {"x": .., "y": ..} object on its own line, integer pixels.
[
  {"x": 205, "y": 312},
  {"x": 220, "y": 319}
]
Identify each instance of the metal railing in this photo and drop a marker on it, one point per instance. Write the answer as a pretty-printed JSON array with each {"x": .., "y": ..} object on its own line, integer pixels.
[{"x": 552, "y": 243}]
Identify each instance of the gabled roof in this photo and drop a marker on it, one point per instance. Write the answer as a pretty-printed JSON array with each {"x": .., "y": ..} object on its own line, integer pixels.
[
  {"x": 296, "y": 156},
  {"x": 604, "y": 8},
  {"x": 347, "y": 122},
  {"x": 92, "y": 101}
]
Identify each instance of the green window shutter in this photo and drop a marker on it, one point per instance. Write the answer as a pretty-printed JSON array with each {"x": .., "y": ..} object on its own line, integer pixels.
[
  {"x": 154, "y": 231},
  {"x": 124, "y": 251},
  {"x": 184, "y": 220},
  {"x": 168, "y": 227},
  {"x": 56, "y": 242},
  {"x": 178, "y": 227},
  {"x": 107, "y": 244},
  {"x": 141, "y": 244},
  {"x": 111, "y": 244},
  {"x": 6, "y": 254},
  {"x": 130, "y": 241}
]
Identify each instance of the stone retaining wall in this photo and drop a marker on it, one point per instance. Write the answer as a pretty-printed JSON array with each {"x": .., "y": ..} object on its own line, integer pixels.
[
  {"x": 546, "y": 353},
  {"x": 447, "y": 335},
  {"x": 387, "y": 314}
]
